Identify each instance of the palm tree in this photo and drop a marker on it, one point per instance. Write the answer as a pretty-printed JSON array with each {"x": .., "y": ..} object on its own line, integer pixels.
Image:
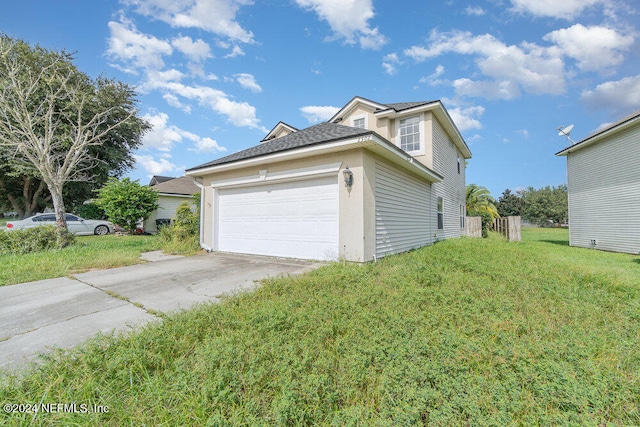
[{"x": 479, "y": 202}]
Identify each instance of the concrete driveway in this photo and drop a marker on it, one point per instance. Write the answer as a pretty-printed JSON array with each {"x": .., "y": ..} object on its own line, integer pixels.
[{"x": 64, "y": 312}]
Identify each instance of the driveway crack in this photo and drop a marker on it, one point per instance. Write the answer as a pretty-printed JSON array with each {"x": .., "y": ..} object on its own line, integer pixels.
[{"x": 116, "y": 295}]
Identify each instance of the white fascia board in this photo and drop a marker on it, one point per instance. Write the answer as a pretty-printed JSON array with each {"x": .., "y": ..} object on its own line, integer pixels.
[
  {"x": 419, "y": 109},
  {"x": 296, "y": 153},
  {"x": 371, "y": 141},
  {"x": 264, "y": 176},
  {"x": 595, "y": 138},
  {"x": 355, "y": 101}
]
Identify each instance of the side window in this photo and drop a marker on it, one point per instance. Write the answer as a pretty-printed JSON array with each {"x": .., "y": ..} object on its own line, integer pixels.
[
  {"x": 48, "y": 218},
  {"x": 440, "y": 214},
  {"x": 70, "y": 217},
  {"x": 462, "y": 216},
  {"x": 409, "y": 133},
  {"x": 459, "y": 165}
]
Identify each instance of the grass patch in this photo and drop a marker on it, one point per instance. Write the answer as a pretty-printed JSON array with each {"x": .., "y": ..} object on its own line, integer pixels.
[
  {"x": 89, "y": 252},
  {"x": 465, "y": 332}
]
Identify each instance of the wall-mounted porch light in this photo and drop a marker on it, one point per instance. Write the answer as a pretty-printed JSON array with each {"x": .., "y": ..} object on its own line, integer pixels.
[{"x": 348, "y": 177}]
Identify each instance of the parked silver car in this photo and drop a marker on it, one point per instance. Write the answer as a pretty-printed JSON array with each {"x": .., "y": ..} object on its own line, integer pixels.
[{"x": 75, "y": 224}]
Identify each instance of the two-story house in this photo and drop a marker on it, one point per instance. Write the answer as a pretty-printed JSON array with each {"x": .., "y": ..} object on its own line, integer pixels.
[
  {"x": 375, "y": 179},
  {"x": 603, "y": 180}
]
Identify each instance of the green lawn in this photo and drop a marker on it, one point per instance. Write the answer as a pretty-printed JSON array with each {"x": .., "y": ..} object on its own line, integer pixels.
[
  {"x": 89, "y": 252},
  {"x": 465, "y": 332}
]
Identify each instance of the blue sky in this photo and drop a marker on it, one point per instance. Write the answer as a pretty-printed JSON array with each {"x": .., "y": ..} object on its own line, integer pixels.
[{"x": 214, "y": 76}]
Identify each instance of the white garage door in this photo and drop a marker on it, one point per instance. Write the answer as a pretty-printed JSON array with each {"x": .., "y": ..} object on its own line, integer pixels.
[{"x": 297, "y": 219}]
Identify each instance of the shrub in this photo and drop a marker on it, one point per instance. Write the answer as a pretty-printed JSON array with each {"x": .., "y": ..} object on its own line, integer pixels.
[
  {"x": 487, "y": 221},
  {"x": 90, "y": 211},
  {"x": 35, "y": 239},
  {"x": 183, "y": 235},
  {"x": 126, "y": 202}
]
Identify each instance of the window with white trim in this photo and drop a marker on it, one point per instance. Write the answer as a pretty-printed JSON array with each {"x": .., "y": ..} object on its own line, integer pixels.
[
  {"x": 440, "y": 214},
  {"x": 462, "y": 215},
  {"x": 359, "y": 123},
  {"x": 409, "y": 132}
]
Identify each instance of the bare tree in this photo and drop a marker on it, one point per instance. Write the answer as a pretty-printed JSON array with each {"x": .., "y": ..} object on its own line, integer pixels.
[{"x": 46, "y": 124}]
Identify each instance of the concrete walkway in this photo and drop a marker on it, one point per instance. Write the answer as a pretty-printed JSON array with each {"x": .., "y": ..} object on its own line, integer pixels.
[{"x": 64, "y": 312}]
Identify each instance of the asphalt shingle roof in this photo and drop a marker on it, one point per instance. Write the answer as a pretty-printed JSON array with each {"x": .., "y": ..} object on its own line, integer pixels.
[
  {"x": 183, "y": 185},
  {"x": 318, "y": 134},
  {"x": 400, "y": 106}
]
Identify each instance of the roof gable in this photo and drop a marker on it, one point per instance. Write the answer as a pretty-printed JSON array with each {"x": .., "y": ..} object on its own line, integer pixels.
[{"x": 278, "y": 129}]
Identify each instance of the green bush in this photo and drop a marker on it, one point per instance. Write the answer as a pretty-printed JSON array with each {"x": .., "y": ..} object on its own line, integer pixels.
[
  {"x": 182, "y": 236},
  {"x": 90, "y": 211},
  {"x": 35, "y": 239},
  {"x": 487, "y": 223}
]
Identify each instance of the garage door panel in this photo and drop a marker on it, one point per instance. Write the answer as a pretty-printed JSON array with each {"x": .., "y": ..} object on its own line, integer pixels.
[{"x": 293, "y": 219}]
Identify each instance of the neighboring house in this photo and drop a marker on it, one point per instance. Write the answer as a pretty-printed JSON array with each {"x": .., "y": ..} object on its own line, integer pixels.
[
  {"x": 157, "y": 179},
  {"x": 288, "y": 196},
  {"x": 603, "y": 172},
  {"x": 172, "y": 192}
]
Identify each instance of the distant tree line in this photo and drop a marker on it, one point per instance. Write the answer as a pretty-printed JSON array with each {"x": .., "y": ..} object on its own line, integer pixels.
[{"x": 544, "y": 206}]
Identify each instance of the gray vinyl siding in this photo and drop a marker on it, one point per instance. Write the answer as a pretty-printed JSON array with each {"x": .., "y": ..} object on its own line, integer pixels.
[
  {"x": 166, "y": 210},
  {"x": 452, "y": 188},
  {"x": 403, "y": 212},
  {"x": 604, "y": 194}
]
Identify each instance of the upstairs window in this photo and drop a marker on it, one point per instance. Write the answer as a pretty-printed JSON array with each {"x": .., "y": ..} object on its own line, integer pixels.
[
  {"x": 409, "y": 131},
  {"x": 359, "y": 123}
]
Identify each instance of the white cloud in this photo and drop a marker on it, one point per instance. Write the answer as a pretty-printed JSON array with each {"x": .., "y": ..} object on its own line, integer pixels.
[
  {"x": 474, "y": 11},
  {"x": 432, "y": 79},
  {"x": 248, "y": 81},
  {"x": 163, "y": 136},
  {"x": 564, "y": 9},
  {"x": 349, "y": 19},
  {"x": 215, "y": 16},
  {"x": 194, "y": 50},
  {"x": 153, "y": 166},
  {"x": 621, "y": 96},
  {"x": 173, "y": 101},
  {"x": 136, "y": 49},
  {"x": 389, "y": 63},
  {"x": 235, "y": 52},
  {"x": 466, "y": 118},
  {"x": 207, "y": 145},
  {"x": 510, "y": 68},
  {"x": 594, "y": 47},
  {"x": 240, "y": 114},
  {"x": 315, "y": 114}
]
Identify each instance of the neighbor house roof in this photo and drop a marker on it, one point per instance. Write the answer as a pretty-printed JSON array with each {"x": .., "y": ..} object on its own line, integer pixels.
[
  {"x": 620, "y": 125},
  {"x": 178, "y": 186},
  {"x": 318, "y": 134},
  {"x": 157, "y": 179}
]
